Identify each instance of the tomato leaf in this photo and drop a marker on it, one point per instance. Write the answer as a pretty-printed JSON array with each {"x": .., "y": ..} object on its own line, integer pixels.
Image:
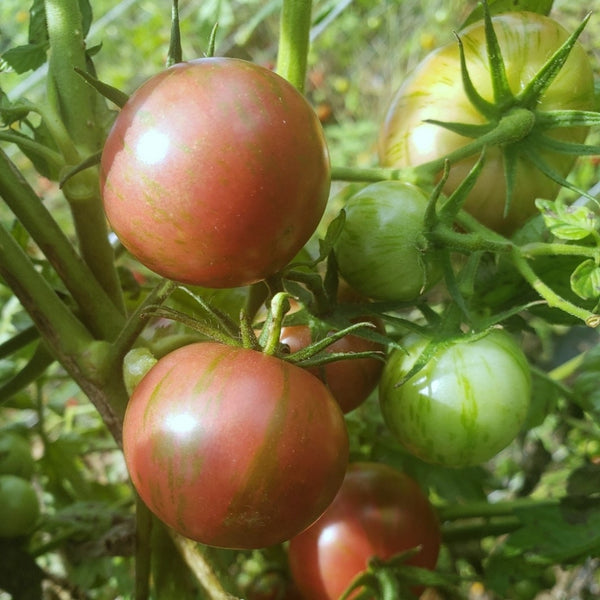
[
  {"x": 585, "y": 387},
  {"x": 585, "y": 280},
  {"x": 568, "y": 222}
]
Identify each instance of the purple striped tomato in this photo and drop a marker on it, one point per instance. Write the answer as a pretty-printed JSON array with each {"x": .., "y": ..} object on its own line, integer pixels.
[
  {"x": 215, "y": 173},
  {"x": 234, "y": 448},
  {"x": 378, "y": 512}
]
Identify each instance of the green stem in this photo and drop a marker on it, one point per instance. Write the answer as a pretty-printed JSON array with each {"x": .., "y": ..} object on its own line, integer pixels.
[
  {"x": 26, "y": 143},
  {"x": 373, "y": 174},
  {"x": 97, "y": 310},
  {"x": 557, "y": 249},
  {"x": 455, "y": 532},
  {"x": 75, "y": 99},
  {"x": 66, "y": 335},
  {"x": 143, "y": 549},
  {"x": 548, "y": 294},
  {"x": 200, "y": 567},
  {"x": 294, "y": 38},
  {"x": 472, "y": 510},
  {"x": 76, "y": 103}
]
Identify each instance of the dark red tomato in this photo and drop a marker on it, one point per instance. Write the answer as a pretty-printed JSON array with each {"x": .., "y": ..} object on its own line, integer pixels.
[
  {"x": 215, "y": 173},
  {"x": 349, "y": 380},
  {"x": 377, "y": 512},
  {"x": 234, "y": 448}
]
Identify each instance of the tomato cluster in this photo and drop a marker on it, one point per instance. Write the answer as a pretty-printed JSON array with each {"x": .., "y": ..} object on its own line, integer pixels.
[{"x": 216, "y": 173}]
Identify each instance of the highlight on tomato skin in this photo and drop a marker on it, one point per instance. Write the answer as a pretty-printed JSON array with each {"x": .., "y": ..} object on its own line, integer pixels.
[
  {"x": 379, "y": 511},
  {"x": 215, "y": 173},
  {"x": 234, "y": 448}
]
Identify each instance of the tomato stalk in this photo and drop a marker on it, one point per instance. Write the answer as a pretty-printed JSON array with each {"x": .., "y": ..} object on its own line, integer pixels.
[
  {"x": 76, "y": 104},
  {"x": 97, "y": 309},
  {"x": 294, "y": 42}
]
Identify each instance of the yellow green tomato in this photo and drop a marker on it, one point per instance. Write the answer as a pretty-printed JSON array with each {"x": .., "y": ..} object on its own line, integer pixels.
[
  {"x": 435, "y": 91},
  {"x": 382, "y": 250},
  {"x": 19, "y": 506},
  {"x": 465, "y": 405}
]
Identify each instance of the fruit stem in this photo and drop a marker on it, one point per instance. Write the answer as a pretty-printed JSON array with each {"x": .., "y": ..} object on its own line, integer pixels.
[{"x": 294, "y": 41}]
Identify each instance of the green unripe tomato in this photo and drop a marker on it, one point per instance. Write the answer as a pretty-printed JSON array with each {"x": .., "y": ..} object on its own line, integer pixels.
[
  {"x": 465, "y": 405},
  {"x": 381, "y": 251},
  {"x": 19, "y": 506},
  {"x": 15, "y": 455}
]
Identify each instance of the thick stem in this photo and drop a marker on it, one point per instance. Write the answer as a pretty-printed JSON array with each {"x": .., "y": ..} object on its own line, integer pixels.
[
  {"x": 76, "y": 104},
  {"x": 294, "y": 41},
  {"x": 66, "y": 335},
  {"x": 97, "y": 310},
  {"x": 200, "y": 567}
]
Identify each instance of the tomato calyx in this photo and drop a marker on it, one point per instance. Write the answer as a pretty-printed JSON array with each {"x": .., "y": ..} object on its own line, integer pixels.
[
  {"x": 514, "y": 123},
  {"x": 394, "y": 578}
]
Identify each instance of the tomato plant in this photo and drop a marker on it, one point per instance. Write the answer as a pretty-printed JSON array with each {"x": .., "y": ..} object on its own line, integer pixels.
[
  {"x": 378, "y": 511},
  {"x": 215, "y": 173},
  {"x": 232, "y": 447},
  {"x": 382, "y": 250},
  {"x": 350, "y": 380},
  {"x": 15, "y": 455},
  {"x": 412, "y": 134},
  {"x": 466, "y": 404},
  {"x": 19, "y": 506}
]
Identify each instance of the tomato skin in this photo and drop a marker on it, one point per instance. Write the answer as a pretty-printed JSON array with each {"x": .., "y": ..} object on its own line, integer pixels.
[
  {"x": 19, "y": 506},
  {"x": 468, "y": 403},
  {"x": 435, "y": 91},
  {"x": 378, "y": 511},
  {"x": 378, "y": 250},
  {"x": 215, "y": 173},
  {"x": 15, "y": 456},
  {"x": 350, "y": 381},
  {"x": 234, "y": 448}
]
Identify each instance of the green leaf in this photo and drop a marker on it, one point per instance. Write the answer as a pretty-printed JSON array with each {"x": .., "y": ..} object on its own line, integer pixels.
[
  {"x": 568, "y": 222},
  {"x": 500, "y": 6},
  {"x": 585, "y": 280},
  {"x": 585, "y": 387},
  {"x": 25, "y": 58}
]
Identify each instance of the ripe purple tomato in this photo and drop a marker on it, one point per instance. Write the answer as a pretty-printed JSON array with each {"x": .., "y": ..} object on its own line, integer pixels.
[
  {"x": 215, "y": 173},
  {"x": 377, "y": 512},
  {"x": 234, "y": 448}
]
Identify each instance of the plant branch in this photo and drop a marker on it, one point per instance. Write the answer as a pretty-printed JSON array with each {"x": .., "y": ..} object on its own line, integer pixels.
[
  {"x": 97, "y": 310},
  {"x": 294, "y": 41}
]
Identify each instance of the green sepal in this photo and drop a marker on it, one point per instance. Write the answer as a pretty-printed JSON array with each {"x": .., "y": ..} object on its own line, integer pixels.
[
  {"x": 111, "y": 93},
  {"x": 503, "y": 96},
  {"x": 497, "y": 7},
  {"x": 175, "y": 54},
  {"x": 530, "y": 96},
  {"x": 486, "y": 108},
  {"x": 465, "y": 129}
]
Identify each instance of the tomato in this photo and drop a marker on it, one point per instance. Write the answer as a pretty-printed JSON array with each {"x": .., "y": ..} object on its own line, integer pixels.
[
  {"x": 381, "y": 251},
  {"x": 378, "y": 511},
  {"x": 468, "y": 402},
  {"x": 435, "y": 91},
  {"x": 350, "y": 381},
  {"x": 215, "y": 173},
  {"x": 19, "y": 506},
  {"x": 15, "y": 455},
  {"x": 234, "y": 448}
]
